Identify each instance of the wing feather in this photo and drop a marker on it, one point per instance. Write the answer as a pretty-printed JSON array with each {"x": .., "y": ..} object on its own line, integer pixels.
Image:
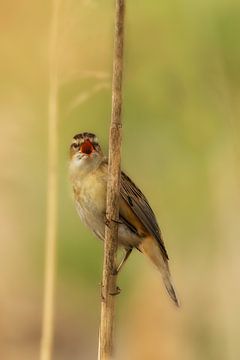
[{"x": 141, "y": 208}]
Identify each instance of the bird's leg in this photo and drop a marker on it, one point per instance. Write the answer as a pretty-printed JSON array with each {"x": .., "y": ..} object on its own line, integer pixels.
[
  {"x": 124, "y": 259},
  {"x": 117, "y": 270}
]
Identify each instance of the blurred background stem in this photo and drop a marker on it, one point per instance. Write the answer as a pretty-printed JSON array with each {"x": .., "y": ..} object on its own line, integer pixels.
[{"x": 52, "y": 191}]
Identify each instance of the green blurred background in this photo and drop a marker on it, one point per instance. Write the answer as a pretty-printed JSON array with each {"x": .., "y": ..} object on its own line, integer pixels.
[{"x": 180, "y": 145}]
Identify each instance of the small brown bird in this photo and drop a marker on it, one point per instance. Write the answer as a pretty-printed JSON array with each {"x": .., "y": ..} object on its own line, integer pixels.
[{"x": 138, "y": 226}]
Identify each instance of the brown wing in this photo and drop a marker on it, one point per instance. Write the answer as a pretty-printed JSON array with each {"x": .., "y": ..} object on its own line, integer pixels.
[{"x": 141, "y": 208}]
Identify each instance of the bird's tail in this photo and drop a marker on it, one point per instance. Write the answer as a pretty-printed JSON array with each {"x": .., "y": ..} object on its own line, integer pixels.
[{"x": 150, "y": 248}]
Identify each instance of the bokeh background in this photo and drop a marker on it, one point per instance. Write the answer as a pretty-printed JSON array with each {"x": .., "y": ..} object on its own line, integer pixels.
[{"x": 180, "y": 145}]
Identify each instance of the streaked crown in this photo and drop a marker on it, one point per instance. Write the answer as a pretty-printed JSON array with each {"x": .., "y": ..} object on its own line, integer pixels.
[{"x": 85, "y": 143}]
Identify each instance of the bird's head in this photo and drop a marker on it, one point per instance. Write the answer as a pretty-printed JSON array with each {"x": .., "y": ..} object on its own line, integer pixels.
[{"x": 85, "y": 152}]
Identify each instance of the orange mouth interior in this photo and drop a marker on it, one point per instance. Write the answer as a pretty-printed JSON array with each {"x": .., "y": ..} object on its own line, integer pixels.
[{"x": 87, "y": 147}]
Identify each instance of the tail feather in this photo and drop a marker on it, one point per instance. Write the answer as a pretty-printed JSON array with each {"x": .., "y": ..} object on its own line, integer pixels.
[{"x": 150, "y": 248}]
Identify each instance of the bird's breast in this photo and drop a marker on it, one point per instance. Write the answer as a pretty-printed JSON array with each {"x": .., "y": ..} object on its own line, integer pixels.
[{"x": 90, "y": 197}]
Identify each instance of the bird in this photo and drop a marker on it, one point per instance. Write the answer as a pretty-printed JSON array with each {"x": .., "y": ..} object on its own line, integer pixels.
[{"x": 137, "y": 225}]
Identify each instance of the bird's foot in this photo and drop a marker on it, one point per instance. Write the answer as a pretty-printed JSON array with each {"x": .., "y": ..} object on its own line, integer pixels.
[
  {"x": 115, "y": 271},
  {"x": 112, "y": 293},
  {"x": 108, "y": 222},
  {"x": 117, "y": 221},
  {"x": 116, "y": 292}
]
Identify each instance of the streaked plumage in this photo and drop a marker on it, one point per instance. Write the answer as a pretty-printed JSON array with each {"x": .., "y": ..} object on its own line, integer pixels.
[{"x": 138, "y": 227}]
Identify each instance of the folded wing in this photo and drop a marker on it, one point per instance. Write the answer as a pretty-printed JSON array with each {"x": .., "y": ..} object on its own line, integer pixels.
[{"x": 141, "y": 208}]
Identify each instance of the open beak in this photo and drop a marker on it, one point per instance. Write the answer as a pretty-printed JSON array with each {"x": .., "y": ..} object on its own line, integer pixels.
[{"x": 87, "y": 147}]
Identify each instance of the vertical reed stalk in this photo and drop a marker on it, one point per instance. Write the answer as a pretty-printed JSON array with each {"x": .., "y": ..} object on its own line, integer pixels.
[
  {"x": 109, "y": 288},
  {"x": 52, "y": 191}
]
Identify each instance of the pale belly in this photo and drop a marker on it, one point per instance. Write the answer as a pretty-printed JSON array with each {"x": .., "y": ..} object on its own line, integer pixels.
[{"x": 90, "y": 200}]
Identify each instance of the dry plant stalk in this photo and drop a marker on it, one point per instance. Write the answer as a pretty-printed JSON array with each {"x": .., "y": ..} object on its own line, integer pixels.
[
  {"x": 109, "y": 288},
  {"x": 51, "y": 225}
]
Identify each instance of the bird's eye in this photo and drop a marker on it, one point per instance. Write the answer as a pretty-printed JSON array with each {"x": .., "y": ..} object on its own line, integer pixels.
[{"x": 75, "y": 145}]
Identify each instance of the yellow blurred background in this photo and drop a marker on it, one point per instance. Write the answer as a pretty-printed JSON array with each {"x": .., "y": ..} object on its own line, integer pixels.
[{"x": 180, "y": 145}]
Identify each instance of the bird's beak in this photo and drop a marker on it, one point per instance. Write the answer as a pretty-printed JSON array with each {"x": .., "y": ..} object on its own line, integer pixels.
[{"x": 87, "y": 147}]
